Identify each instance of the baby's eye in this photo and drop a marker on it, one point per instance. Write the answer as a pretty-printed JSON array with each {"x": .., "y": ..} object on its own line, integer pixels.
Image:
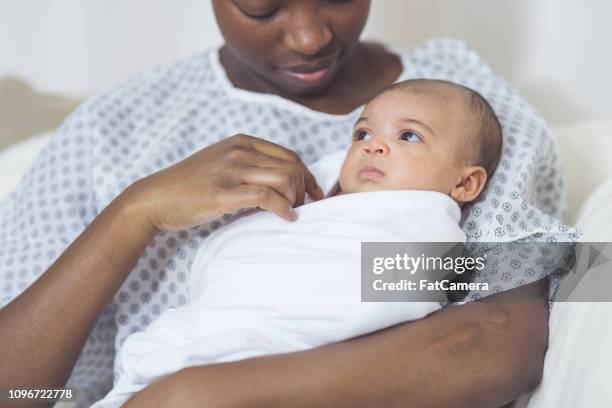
[
  {"x": 410, "y": 137},
  {"x": 362, "y": 135}
]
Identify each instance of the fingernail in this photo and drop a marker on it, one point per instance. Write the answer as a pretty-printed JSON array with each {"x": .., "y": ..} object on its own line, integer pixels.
[
  {"x": 293, "y": 215},
  {"x": 320, "y": 192}
]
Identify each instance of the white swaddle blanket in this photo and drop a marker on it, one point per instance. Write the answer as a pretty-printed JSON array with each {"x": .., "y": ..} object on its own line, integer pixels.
[{"x": 263, "y": 285}]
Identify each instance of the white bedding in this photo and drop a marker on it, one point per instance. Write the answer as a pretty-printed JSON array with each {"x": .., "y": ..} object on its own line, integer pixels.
[
  {"x": 16, "y": 159},
  {"x": 263, "y": 285},
  {"x": 577, "y": 365}
]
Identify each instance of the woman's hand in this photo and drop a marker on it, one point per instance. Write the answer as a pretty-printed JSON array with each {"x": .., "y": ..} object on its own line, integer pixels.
[{"x": 237, "y": 172}]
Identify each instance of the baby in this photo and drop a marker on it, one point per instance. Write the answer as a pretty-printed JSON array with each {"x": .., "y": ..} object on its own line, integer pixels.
[
  {"x": 424, "y": 135},
  {"x": 261, "y": 285}
]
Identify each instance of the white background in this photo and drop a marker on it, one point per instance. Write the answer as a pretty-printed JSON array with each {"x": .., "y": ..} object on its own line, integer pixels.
[{"x": 557, "y": 52}]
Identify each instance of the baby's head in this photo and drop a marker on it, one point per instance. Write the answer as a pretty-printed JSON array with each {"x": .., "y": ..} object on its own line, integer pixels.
[{"x": 424, "y": 135}]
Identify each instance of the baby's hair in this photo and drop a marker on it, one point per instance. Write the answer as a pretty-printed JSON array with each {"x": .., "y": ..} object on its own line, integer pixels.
[{"x": 487, "y": 136}]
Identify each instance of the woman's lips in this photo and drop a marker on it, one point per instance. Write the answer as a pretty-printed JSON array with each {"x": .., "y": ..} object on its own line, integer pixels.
[
  {"x": 371, "y": 173},
  {"x": 309, "y": 77}
]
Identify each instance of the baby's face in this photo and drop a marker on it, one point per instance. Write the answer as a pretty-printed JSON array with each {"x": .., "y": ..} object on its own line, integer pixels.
[{"x": 405, "y": 141}]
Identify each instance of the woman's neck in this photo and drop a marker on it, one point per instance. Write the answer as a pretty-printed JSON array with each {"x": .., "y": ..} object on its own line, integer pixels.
[{"x": 368, "y": 71}]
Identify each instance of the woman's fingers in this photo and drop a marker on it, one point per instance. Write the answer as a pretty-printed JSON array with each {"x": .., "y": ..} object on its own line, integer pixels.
[
  {"x": 312, "y": 187},
  {"x": 286, "y": 178},
  {"x": 247, "y": 195},
  {"x": 272, "y": 150},
  {"x": 268, "y": 148},
  {"x": 205, "y": 185},
  {"x": 281, "y": 180}
]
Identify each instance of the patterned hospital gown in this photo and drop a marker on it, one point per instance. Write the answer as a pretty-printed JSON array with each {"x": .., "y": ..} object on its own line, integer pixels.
[{"x": 168, "y": 113}]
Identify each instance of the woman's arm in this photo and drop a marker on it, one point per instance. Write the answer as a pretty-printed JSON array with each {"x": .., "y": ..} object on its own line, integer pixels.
[
  {"x": 44, "y": 329},
  {"x": 481, "y": 354}
]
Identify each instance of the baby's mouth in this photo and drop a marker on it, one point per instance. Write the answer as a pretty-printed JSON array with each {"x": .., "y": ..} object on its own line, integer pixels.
[{"x": 371, "y": 173}]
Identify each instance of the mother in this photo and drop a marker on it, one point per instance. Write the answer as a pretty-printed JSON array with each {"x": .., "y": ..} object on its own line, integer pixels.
[{"x": 132, "y": 184}]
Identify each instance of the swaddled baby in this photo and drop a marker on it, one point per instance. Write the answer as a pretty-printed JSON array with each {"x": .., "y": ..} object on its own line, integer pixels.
[{"x": 261, "y": 285}]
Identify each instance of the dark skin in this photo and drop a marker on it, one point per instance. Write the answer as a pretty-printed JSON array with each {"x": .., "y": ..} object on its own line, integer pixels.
[
  {"x": 485, "y": 353},
  {"x": 304, "y": 33}
]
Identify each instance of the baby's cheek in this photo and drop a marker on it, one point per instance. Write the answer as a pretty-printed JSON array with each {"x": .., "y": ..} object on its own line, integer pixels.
[
  {"x": 344, "y": 172},
  {"x": 343, "y": 182}
]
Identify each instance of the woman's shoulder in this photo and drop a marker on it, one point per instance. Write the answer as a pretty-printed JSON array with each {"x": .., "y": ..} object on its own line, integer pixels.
[
  {"x": 529, "y": 169},
  {"x": 454, "y": 60},
  {"x": 161, "y": 83},
  {"x": 446, "y": 55},
  {"x": 153, "y": 95},
  {"x": 125, "y": 124}
]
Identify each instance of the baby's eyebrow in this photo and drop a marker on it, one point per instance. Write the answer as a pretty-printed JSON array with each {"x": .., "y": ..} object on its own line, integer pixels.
[
  {"x": 418, "y": 122},
  {"x": 361, "y": 119}
]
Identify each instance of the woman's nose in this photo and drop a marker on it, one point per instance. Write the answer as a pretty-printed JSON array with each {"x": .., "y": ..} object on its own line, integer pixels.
[
  {"x": 307, "y": 32},
  {"x": 376, "y": 146}
]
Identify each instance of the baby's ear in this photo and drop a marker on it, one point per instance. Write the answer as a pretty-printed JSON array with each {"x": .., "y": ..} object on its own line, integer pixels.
[{"x": 470, "y": 184}]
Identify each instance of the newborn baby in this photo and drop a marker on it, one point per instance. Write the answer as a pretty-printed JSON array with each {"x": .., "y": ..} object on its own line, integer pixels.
[{"x": 261, "y": 285}]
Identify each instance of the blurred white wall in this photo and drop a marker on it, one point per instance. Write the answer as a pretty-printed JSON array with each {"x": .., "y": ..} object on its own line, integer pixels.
[
  {"x": 83, "y": 46},
  {"x": 556, "y": 51}
]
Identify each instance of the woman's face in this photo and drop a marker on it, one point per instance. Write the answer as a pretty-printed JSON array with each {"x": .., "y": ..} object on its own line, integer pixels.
[{"x": 296, "y": 46}]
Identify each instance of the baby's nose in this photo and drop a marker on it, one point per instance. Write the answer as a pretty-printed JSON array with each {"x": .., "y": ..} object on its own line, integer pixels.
[{"x": 376, "y": 146}]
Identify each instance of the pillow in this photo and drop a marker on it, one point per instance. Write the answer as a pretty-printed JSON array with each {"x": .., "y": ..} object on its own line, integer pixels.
[
  {"x": 576, "y": 369},
  {"x": 595, "y": 215},
  {"x": 25, "y": 112},
  {"x": 585, "y": 149},
  {"x": 16, "y": 160}
]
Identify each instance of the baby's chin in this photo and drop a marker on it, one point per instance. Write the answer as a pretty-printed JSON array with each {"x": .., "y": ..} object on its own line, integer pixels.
[{"x": 364, "y": 188}]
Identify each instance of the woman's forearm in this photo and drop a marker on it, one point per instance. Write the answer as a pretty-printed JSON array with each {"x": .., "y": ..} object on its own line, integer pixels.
[
  {"x": 481, "y": 354},
  {"x": 43, "y": 330}
]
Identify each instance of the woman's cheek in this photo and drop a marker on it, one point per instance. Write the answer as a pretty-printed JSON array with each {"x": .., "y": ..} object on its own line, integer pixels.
[{"x": 349, "y": 25}]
